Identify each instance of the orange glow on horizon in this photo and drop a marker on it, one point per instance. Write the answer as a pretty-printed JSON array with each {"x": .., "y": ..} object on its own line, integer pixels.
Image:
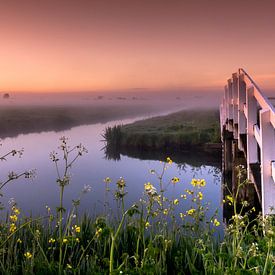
[{"x": 50, "y": 46}]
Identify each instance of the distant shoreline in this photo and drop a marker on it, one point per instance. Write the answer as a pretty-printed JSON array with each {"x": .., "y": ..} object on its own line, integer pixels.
[{"x": 16, "y": 120}]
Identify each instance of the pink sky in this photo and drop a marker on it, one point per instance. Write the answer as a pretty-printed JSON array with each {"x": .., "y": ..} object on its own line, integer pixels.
[{"x": 56, "y": 45}]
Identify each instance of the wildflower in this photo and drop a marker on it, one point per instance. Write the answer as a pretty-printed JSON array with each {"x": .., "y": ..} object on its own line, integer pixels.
[
  {"x": 191, "y": 211},
  {"x": 229, "y": 198},
  {"x": 150, "y": 189},
  {"x": 200, "y": 196},
  {"x": 202, "y": 182},
  {"x": 69, "y": 266},
  {"x": 77, "y": 240},
  {"x": 165, "y": 211},
  {"x": 86, "y": 189},
  {"x": 175, "y": 180},
  {"x": 12, "y": 227},
  {"x": 107, "y": 180},
  {"x": 147, "y": 224},
  {"x": 51, "y": 240},
  {"x": 182, "y": 216},
  {"x": 28, "y": 255},
  {"x": 183, "y": 196},
  {"x": 190, "y": 192},
  {"x": 148, "y": 186},
  {"x": 121, "y": 183},
  {"x": 48, "y": 209},
  {"x": 13, "y": 218},
  {"x": 168, "y": 160},
  {"x": 15, "y": 210},
  {"x": 19, "y": 240},
  {"x": 12, "y": 201},
  {"x": 98, "y": 232},
  {"x": 77, "y": 229},
  {"x": 176, "y": 201},
  {"x": 65, "y": 240},
  {"x": 198, "y": 182},
  {"x": 216, "y": 222}
]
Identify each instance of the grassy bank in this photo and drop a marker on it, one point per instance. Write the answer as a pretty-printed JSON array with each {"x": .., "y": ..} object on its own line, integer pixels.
[
  {"x": 181, "y": 130},
  {"x": 147, "y": 238}
]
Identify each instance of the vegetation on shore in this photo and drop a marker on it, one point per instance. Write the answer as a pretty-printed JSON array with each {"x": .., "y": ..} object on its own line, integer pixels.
[
  {"x": 147, "y": 238},
  {"x": 184, "y": 129}
]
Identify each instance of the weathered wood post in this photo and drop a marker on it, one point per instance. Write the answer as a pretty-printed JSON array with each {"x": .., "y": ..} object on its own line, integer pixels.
[
  {"x": 252, "y": 155},
  {"x": 267, "y": 156}
]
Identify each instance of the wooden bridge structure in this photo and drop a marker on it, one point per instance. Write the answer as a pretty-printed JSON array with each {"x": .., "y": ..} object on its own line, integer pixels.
[{"x": 247, "y": 120}]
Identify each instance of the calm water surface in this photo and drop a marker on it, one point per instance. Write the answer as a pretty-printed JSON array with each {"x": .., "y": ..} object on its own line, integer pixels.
[{"x": 33, "y": 195}]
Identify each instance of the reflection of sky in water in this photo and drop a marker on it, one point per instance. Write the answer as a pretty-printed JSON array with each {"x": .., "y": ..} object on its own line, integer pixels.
[{"x": 92, "y": 168}]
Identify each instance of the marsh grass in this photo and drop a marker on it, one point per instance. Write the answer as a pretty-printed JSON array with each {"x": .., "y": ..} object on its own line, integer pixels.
[
  {"x": 146, "y": 238},
  {"x": 195, "y": 128}
]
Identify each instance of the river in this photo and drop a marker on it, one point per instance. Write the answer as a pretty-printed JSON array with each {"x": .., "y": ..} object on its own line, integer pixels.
[{"x": 32, "y": 196}]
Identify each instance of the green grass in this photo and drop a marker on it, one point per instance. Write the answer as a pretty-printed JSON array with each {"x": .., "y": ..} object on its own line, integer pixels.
[
  {"x": 178, "y": 130},
  {"x": 147, "y": 238}
]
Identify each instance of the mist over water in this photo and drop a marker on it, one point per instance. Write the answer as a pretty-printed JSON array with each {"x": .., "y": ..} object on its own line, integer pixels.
[{"x": 163, "y": 99}]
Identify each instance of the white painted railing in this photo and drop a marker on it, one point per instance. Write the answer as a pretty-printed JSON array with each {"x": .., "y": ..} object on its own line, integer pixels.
[{"x": 246, "y": 111}]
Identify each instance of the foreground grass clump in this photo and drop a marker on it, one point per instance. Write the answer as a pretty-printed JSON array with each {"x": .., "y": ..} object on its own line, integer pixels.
[
  {"x": 197, "y": 128},
  {"x": 153, "y": 236}
]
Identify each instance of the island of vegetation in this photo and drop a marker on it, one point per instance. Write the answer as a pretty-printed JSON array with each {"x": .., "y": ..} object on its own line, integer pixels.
[{"x": 181, "y": 130}]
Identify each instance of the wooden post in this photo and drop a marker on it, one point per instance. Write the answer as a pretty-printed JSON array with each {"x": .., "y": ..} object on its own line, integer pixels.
[
  {"x": 267, "y": 156},
  {"x": 252, "y": 156},
  {"x": 241, "y": 102},
  {"x": 235, "y": 104}
]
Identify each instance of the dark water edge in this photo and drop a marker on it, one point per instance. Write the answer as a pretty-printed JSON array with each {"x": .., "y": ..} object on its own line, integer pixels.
[{"x": 194, "y": 156}]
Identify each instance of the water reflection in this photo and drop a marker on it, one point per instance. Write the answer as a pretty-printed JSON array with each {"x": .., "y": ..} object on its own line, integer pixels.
[{"x": 94, "y": 167}]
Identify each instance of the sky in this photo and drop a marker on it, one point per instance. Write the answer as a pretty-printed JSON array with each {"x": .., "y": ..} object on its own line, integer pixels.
[{"x": 66, "y": 45}]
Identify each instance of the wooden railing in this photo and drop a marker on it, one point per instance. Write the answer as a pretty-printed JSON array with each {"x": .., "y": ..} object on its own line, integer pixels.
[{"x": 247, "y": 113}]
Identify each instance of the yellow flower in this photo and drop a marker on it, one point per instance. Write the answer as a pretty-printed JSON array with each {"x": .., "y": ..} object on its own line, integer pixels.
[
  {"x": 15, "y": 210},
  {"x": 230, "y": 198},
  {"x": 198, "y": 182},
  {"x": 19, "y": 240},
  {"x": 165, "y": 211},
  {"x": 28, "y": 255},
  {"x": 176, "y": 201},
  {"x": 77, "y": 240},
  {"x": 65, "y": 240},
  {"x": 200, "y": 196},
  {"x": 69, "y": 266},
  {"x": 191, "y": 211},
  {"x": 147, "y": 224},
  {"x": 121, "y": 183},
  {"x": 169, "y": 161},
  {"x": 12, "y": 227},
  {"x": 107, "y": 180},
  {"x": 77, "y": 229},
  {"x": 175, "y": 180},
  {"x": 98, "y": 232},
  {"x": 216, "y": 222},
  {"x": 183, "y": 196},
  {"x": 202, "y": 182},
  {"x": 13, "y": 218},
  {"x": 148, "y": 186},
  {"x": 51, "y": 240}
]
